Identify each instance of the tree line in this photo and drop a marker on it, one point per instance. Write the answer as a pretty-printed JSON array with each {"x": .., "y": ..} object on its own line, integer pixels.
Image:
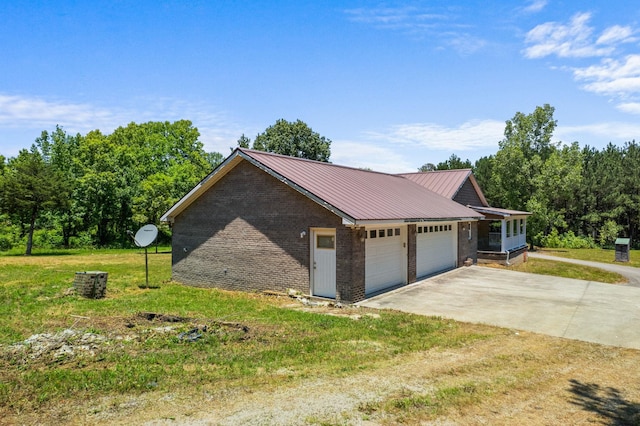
[
  {"x": 578, "y": 197},
  {"x": 89, "y": 190}
]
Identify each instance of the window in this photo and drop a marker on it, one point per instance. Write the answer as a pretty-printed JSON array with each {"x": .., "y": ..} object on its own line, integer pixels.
[
  {"x": 440, "y": 228},
  {"x": 373, "y": 233},
  {"x": 325, "y": 242},
  {"x": 389, "y": 232},
  {"x": 521, "y": 226},
  {"x": 397, "y": 231},
  {"x": 508, "y": 225},
  {"x": 381, "y": 233},
  {"x": 419, "y": 229},
  {"x": 431, "y": 229}
]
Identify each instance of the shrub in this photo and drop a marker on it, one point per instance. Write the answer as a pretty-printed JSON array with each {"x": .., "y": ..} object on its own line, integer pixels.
[{"x": 566, "y": 240}]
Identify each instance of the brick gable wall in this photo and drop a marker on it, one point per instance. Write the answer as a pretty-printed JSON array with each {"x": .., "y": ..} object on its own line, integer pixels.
[
  {"x": 467, "y": 195},
  {"x": 244, "y": 234}
]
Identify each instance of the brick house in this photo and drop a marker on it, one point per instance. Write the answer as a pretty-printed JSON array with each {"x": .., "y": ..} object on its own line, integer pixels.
[
  {"x": 262, "y": 221},
  {"x": 502, "y": 233}
]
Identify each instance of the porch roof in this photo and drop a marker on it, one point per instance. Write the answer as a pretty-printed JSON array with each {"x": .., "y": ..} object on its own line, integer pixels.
[{"x": 494, "y": 211}]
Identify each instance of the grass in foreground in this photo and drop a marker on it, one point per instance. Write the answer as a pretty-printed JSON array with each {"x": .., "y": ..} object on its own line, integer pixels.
[
  {"x": 245, "y": 340},
  {"x": 565, "y": 270}
]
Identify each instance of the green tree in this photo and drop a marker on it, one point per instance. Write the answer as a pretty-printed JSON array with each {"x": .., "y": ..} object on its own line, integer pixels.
[
  {"x": 521, "y": 156},
  {"x": 427, "y": 167},
  {"x": 60, "y": 151},
  {"x": 30, "y": 186},
  {"x": 244, "y": 142},
  {"x": 454, "y": 163},
  {"x": 295, "y": 139}
]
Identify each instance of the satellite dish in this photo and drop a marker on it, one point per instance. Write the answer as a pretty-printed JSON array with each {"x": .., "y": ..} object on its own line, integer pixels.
[{"x": 146, "y": 235}]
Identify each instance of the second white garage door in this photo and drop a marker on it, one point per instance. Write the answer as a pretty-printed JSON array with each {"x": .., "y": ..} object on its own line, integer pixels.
[
  {"x": 436, "y": 248},
  {"x": 385, "y": 263}
]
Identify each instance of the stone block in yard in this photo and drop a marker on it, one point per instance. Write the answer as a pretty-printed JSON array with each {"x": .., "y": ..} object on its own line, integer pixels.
[{"x": 91, "y": 284}]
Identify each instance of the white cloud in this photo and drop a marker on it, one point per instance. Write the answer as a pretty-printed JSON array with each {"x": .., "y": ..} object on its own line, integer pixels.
[
  {"x": 18, "y": 111},
  {"x": 572, "y": 40},
  {"x": 422, "y": 24},
  {"x": 359, "y": 154},
  {"x": 34, "y": 114},
  {"x": 599, "y": 134},
  {"x": 468, "y": 136},
  {"x": 612, "y": 77},
  {"x": 616, "y": 34},
  {"x": 630, "y": 108},
  {"x": 393, "y": 18},
  {"x": 536, "y": 6}
]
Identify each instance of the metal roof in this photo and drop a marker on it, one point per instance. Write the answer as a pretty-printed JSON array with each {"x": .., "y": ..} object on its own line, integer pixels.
[
  {"x": 499, "y": 212},
  {"x": 358, "y": 196},
  {"x": 446, "y": 182}
]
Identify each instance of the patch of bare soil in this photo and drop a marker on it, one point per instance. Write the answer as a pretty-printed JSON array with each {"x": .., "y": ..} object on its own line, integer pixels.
[{"x": 515, "y": 377}]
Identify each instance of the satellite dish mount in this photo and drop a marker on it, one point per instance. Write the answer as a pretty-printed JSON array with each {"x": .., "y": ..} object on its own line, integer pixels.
[{"x": 144, "y": 238}]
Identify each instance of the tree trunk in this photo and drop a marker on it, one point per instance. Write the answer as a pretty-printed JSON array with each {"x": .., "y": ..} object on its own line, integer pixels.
[{"x": 32, "y": 227}]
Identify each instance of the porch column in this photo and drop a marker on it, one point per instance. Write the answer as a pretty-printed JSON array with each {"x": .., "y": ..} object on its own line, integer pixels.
[{"x": 503, "y": 236}]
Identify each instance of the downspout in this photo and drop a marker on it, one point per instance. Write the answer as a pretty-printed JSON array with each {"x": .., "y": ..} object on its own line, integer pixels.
[{"x": 508, "y": 253}]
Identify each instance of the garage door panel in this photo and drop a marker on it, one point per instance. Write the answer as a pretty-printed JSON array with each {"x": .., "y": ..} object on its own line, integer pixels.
[
  {"x": 436, "y": 247},
  {"x": 384, "y": 262}
]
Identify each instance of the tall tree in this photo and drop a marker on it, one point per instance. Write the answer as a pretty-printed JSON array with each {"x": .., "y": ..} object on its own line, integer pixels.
[
  {"x": 295, "y": 139},
  {"x": 521, "y": 156},
  {"x": 29, "y": 187}
]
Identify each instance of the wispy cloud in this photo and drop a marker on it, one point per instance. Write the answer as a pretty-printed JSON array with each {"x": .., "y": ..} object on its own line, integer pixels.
[
  {"x": 535, "y": 6},
  {"x": 218, "y": 131},
  {"x": 572, "y": 40},
  {"x": 614, "y": 75},
  {"x": 19, "y": 111},
  {"x": 599, "y": 134},
  {"x": 420, "y": 23},
  {"x": 467, "y": 136},
  {"x": 367, "y": 155}
]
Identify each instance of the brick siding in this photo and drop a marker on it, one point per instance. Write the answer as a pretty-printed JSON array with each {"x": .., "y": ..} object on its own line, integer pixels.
[
  {"x": 244, "y": 234},
  {"x": 467, "y": 248},
  {"x": 467, "y": 195}
]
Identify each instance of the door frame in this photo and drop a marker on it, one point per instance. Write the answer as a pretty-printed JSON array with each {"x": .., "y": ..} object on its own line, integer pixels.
[{"x": 312, "y": 266}]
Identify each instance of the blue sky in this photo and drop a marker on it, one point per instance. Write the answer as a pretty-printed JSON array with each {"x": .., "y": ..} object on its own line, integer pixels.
[{"x": 393, "y": 84}]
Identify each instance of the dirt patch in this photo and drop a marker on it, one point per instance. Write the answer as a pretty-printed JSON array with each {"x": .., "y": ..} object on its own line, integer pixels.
[
  {"x": 514, "y": 378},
  {"x": 76, "y": 342}
]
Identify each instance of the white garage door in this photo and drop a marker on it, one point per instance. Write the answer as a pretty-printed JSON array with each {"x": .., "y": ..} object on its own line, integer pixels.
[
  {"x": 436, "y": 248},
  {"x": 385, "y": 263}
]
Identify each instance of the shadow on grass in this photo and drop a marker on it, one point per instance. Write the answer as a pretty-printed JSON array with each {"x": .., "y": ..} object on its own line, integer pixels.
[{"x": 608, "y": 403}]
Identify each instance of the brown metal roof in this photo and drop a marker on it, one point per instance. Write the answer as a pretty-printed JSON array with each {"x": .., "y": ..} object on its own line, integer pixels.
[
  {"x": 358, "y": 194},
  {"x": 444, "y": 182}
]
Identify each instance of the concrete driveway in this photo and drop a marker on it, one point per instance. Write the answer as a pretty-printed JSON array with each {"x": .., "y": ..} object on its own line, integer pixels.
[{"x": 574, "y": 309}]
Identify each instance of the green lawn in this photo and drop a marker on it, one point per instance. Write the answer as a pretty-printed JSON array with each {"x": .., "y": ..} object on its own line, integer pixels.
[
  {"x": 596, "y": 255},
  {"x": 568, "y": 270},
  {"x": 250, "y": 339}
]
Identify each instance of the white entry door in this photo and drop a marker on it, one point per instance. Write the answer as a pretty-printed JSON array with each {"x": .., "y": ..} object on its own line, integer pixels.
[{"x": 323, "y": 255}]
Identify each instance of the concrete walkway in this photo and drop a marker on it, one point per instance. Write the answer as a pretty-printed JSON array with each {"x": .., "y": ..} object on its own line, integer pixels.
[
  {"x": 629, "y": 272},
  {"x": 583, "y": 310}
]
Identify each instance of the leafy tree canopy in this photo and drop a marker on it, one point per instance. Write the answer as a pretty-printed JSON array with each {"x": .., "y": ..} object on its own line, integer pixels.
[{"x": 295, "y": 139}]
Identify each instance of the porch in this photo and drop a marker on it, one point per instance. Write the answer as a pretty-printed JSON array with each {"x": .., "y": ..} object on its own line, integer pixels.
[{"x": 502, "y": 235}]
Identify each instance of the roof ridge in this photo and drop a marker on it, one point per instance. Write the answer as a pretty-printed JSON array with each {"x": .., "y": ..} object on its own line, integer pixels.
[{"x": 248, "y": 151}]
